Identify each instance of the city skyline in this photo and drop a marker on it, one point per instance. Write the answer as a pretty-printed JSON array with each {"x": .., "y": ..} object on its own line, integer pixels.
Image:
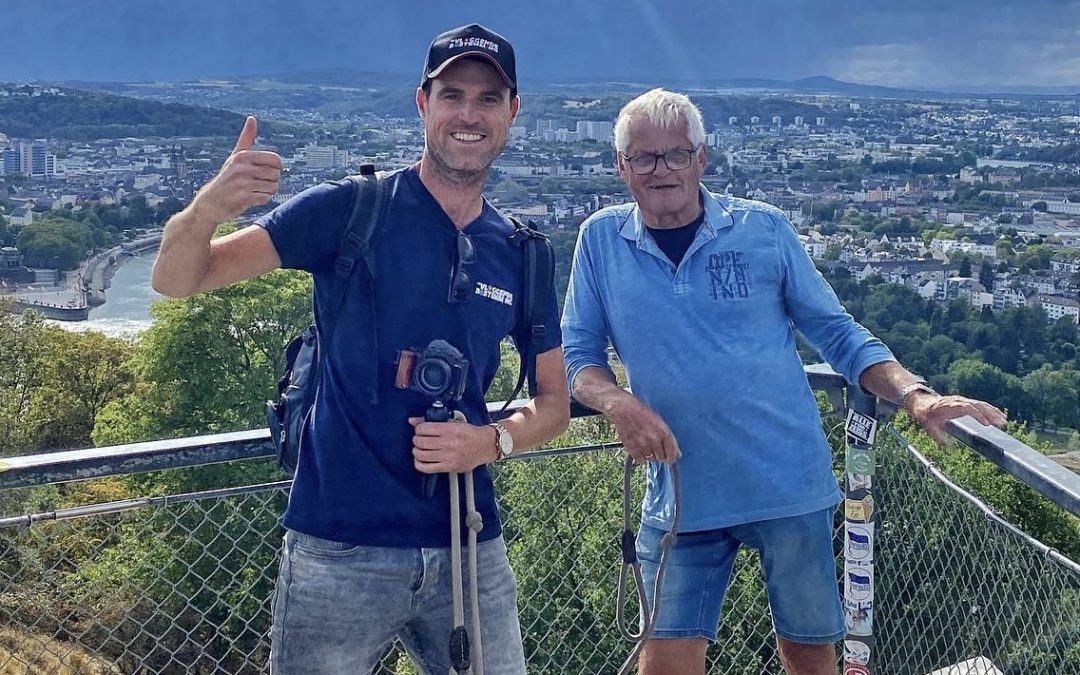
[{"x": 919, "y": 44}]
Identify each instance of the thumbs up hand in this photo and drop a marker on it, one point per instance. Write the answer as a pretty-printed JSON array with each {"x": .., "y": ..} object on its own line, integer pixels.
[{"x": 247, "y": 178}]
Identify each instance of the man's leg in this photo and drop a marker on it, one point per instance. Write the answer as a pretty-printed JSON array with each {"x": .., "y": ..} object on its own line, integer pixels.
[
  {"x": 804, "y": 659},
  {"x": 800, "y": 577},
  {"x": 696, "y": 577},
  {"x": 673, "y": 657},
  {"x": 426, "y": 635},
  {"x": 337, "y": 607}
]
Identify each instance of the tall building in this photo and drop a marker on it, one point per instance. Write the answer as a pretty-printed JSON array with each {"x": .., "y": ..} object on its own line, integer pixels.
[
  {"x": 29, "y": 159},
  {"x": 39, "y": 158},
  {"x": 597, "y": 131},
  {"x": 545, "y": 125},
  {"x": 10, "y": 159},
  {"x": 324, "y": 156}
]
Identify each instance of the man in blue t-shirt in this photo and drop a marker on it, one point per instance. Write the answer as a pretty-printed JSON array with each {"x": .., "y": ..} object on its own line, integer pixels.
[
  {"x": 366, "y": 556},
  {"x": 699, "y": 294}
]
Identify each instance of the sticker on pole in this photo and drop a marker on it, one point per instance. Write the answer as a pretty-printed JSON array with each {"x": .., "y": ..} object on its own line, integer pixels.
[
  {"x": 861, "y": 428},
  {"x": 859, "y": 541},
  {"x": 859, "y": 510},
  {"x": 855, "y": 669},
  {"x": 856, "y": 653},
  {"x": 860, "y": 461},
  {"x": 860, "y": 481},
  {"x": 859, "y": 618},
  {"x": 858, "y": 583}
]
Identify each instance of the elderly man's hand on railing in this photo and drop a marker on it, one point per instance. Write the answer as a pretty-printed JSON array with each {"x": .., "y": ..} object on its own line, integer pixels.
[{"x": 932, "y": 411}]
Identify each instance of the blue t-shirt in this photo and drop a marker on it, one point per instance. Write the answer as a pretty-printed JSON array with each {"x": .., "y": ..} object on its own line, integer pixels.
[{"x": 355, "y": 482}]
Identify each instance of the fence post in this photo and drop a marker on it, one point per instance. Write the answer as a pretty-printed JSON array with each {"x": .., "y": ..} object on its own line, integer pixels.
[{"x": 859, "y": 517}]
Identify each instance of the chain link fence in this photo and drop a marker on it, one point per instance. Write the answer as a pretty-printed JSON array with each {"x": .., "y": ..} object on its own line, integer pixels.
[{"x": 182, "y": 584}]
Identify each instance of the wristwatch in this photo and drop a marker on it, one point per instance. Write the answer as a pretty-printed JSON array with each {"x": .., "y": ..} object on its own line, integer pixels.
[
  {"x": 906, "y": 392},
  {"x": 504, "y": 442}
]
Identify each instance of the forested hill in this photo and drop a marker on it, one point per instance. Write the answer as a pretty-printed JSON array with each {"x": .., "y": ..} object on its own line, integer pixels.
[{"x": 78, "y": 115}]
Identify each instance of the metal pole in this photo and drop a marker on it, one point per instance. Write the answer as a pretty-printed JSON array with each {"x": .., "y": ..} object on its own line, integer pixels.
[{"x": 859, "y": 517}]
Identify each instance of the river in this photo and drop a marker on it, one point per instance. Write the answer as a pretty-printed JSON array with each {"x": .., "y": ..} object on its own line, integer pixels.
[{"x": 126, "y": 311}]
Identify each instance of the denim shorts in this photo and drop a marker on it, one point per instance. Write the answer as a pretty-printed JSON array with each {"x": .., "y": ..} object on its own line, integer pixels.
[
  {"x": 800, "y": 577},
  {"x": 338, "y": 607}
]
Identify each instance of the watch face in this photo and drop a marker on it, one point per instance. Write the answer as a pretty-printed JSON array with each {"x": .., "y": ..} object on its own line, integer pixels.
[{"x": 506, "y": 442}]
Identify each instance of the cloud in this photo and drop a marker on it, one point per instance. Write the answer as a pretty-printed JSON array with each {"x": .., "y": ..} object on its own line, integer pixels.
[{"x": 897, "y": 65}]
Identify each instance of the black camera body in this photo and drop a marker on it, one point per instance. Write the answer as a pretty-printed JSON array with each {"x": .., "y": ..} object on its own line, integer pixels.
[{"x": 438, "y": 371}]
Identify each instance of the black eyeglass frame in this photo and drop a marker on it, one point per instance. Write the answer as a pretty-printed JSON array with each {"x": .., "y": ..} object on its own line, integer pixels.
[{"x": 656, "y": 157}]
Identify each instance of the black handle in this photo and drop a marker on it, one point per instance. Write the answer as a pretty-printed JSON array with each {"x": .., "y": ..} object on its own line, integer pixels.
[{"x": 436, "y": 413}]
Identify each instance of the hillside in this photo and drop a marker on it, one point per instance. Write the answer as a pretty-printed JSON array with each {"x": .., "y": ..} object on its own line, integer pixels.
[{"x": 79, "y": 115}]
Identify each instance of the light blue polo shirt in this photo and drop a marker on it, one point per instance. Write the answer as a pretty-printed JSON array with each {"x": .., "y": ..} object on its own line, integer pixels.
[{"x": 710, "y": 346}]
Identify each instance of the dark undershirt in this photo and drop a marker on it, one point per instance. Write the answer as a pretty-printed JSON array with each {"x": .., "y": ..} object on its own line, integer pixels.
[{"x": 675, "y": 241}]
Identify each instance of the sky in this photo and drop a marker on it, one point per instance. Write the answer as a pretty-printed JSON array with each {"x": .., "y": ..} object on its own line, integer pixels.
[{"x": 903, "y": 43}]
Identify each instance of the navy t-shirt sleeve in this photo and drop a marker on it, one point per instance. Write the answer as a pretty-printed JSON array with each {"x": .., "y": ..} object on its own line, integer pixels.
[{"x": 306, "y": 230}]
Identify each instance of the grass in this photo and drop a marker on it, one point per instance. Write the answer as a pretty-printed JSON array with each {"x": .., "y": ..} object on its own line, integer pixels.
[{"x": 28, "y": 654}]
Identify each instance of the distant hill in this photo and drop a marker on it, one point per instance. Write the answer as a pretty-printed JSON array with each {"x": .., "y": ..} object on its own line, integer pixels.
[{"x": 79, "y": 115}]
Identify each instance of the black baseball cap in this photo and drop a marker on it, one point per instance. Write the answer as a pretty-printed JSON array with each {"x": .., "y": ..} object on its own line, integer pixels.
[{"x": 471, "y": 40}]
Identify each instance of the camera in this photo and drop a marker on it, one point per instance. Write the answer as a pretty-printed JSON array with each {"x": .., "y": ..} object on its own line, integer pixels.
[{"x": 438, "y": 371}]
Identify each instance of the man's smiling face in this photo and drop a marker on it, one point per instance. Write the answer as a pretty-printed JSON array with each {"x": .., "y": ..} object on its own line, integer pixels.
[
  {"x": 467, "y": 116},
  {"x": 666, "y": 198}
]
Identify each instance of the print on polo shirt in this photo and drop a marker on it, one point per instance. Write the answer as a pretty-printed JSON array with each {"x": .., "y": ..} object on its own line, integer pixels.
[{"x": 729, "y": 276}]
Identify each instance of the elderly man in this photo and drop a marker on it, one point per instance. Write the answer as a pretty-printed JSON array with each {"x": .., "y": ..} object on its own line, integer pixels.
[
  {"x": 700, "y": 294},
  {"x": 367, "y": 555}
]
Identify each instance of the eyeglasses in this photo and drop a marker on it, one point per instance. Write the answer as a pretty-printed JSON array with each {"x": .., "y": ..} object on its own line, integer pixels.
[
  {"x": 461, "y": 286},
  {"x": 675, "y": 160}
]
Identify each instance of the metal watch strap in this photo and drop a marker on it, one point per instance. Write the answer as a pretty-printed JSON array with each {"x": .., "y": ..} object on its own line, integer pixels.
[
  {"x": 500, "y": 430},
  {"x": 907, "y": 391}
]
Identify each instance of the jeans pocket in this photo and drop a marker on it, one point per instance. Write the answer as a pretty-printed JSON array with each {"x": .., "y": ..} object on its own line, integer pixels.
[{"x": 325, "y": 548}]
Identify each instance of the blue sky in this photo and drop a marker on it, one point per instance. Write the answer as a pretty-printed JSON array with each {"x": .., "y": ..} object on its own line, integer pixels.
[{"x": 923, "y": 43}]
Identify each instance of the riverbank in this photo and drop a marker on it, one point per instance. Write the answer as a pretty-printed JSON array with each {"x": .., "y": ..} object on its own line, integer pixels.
[{"x": 85, "y": 288}]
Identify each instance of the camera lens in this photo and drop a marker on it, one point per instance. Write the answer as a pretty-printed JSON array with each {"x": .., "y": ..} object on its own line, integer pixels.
[{"x": 433, "y": 376}]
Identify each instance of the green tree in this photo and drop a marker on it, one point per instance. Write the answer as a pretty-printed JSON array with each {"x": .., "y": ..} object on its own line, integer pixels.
[
  {"x": 986, "y": 276},
  {"x": 1053, "y": 395},
  {"x": 973, "y": 378},
  {"x": 209, "y": 362},
  {"x": 54, "y": 242},
  {"x": 53, "y": 383}
]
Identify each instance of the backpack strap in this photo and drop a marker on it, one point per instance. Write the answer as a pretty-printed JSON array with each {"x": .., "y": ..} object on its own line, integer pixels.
[
  {"x": 365, "y": 210},
  {"x": 539, "y": 277}
]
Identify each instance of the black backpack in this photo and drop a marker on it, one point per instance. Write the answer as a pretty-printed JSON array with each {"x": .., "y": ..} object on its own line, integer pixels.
[{"x": 288, "y": 413}]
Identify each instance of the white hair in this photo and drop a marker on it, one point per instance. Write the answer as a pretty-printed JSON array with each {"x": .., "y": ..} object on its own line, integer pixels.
[{"x": 665, "y": 109}]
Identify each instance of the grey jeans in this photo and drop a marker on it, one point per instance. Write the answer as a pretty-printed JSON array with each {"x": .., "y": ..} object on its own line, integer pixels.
[{"x": 337, "y": 607}]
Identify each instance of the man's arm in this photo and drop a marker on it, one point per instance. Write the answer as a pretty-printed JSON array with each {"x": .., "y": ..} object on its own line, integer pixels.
[
  {"x": 644, "y": 435},
  {"x": 189, "y": 262},
  {"x": 930, "y": 411},
  {"x": 440, "y": 447}
]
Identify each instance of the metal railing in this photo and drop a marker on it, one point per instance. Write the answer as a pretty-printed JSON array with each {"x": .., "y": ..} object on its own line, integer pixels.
[{"x": 181, "y": 583}]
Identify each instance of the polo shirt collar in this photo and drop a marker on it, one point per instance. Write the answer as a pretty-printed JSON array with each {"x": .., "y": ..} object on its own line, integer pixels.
[{"x": 717, "y": 217}]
